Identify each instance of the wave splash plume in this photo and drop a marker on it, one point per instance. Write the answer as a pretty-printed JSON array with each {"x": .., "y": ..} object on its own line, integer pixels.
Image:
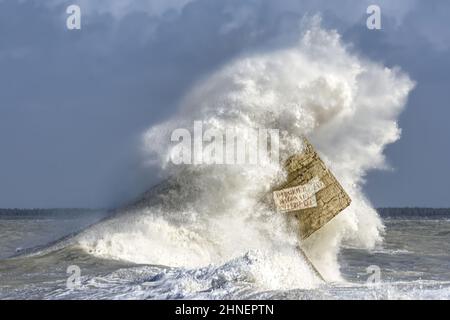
[{"x": 210, "y": 214}]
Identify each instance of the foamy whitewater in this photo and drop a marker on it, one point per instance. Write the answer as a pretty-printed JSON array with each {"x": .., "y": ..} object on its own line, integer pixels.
[
  {"x": 348, "y": 107},
  {"x": 207, "y": 228}
]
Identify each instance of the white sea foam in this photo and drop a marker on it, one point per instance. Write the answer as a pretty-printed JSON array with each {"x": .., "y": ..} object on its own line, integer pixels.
[{"x": 346, "y": 105}]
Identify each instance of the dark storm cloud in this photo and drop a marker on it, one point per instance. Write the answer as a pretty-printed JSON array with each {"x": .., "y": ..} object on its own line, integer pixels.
[
  {"x": 74, "y": 103},
  {"x": 420, "y": 45}
]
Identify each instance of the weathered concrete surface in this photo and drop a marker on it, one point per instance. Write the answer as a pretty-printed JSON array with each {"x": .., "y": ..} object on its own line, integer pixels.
[{"x": 303, "y": 169}]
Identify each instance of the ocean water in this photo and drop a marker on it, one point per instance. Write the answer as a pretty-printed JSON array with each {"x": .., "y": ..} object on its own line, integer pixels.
[
  {"x": 413, "y": 262},
  {"x": 205, "y": 233}
]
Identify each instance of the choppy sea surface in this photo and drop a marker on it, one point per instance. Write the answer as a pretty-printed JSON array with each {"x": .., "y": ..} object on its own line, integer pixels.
[{"x": 412, "y": 263}]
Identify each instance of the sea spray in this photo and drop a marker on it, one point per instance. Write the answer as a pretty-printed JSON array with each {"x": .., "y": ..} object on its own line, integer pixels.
[{"x": 346, "y": 105}]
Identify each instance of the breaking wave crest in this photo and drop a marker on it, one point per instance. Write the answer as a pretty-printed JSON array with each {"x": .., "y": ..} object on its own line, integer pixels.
[{"x": 210, "y": 214}]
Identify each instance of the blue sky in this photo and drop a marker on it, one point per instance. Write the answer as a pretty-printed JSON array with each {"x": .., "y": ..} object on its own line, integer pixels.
[{"x": 73, "y": 104}]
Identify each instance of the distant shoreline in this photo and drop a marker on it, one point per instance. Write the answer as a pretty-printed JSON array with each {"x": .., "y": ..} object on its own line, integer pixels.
[
  {"x": 414, "y": 212},
  {"x": 76, "y": 212},
  {"x": 50, "y": 213}
]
